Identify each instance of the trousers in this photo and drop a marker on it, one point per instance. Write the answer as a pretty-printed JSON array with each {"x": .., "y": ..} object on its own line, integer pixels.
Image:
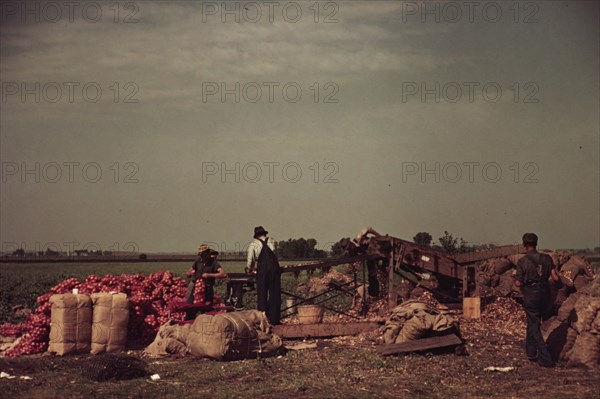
[
  {"x": 268, "y": 287},
  {"x": 535, "y": 300}
]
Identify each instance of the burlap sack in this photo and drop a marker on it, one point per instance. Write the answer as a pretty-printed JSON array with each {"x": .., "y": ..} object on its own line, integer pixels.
[
  {"x": 170, "y": 339},
  {"x": 580, "y": 282},
  {"x": 555, "y": 334},
  {"x": 502, "y": 265},
  {"x": 586, "y": 308},
  {"x": 576, "y": 266},
  {"x": 569, "y": 342},
  {"x": 514, "y": 259},
  {"x": 584, "y": 266},
  {"x": 567, "y": 309},
  {"x": 70, "y": 324},
  {"x": 506, "y": 286},
  {"x": 233, "y": 336},
  {"x": 422, "y": 324},
  {"x": 413, "y": 320},
  {"x": 595, "y": 325},
  {"x": 109, "y": 327},
  {"x": 586, "y": 351}
]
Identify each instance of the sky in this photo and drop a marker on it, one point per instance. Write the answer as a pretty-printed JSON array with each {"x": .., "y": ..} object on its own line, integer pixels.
[{"x": 157, "y": 126}]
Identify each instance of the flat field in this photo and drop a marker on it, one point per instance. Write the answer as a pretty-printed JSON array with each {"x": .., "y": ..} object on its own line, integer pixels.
[{"x": 344, "y": 367}]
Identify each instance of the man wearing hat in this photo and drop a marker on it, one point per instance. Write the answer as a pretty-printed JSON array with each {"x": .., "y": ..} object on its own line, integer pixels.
[
  {"x": 261, "y": 256},
  {"x": 208, "y": 268},
  {"x": 532, "y": 275}
]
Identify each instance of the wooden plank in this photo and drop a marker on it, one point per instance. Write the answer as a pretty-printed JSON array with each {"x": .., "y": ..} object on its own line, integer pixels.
[
  {"x": 472, "y": 307},
  {"x": 323, "y": 329},
  {"x": 420, "y": 345}
]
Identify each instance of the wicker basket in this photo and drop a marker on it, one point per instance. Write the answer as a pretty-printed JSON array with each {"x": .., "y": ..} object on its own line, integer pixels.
[{"x": 310, "y": 314}]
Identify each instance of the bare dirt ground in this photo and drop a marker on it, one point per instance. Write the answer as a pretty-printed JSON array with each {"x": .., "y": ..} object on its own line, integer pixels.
[{"x": 343, "y": 367}]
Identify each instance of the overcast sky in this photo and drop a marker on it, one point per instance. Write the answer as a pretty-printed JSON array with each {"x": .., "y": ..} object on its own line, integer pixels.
[{"x": 324, "y": 118}]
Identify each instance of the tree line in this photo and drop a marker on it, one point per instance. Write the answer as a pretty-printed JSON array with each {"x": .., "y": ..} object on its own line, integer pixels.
[{"x": 300, "y": 248}]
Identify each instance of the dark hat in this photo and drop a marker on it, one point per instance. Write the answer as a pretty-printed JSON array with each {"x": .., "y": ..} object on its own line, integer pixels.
[
  {"x": 213, "y": 252},
  {"x": 260, "y": 231},
  {"x": 530, "y": 239}
]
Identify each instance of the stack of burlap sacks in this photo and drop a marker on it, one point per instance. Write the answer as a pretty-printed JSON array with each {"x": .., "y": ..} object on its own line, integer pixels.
[
  {"x": 84, "y": 324},
  {"x": 224, "y": 336},
  {"x": 574, "y": 334},
  {"x": 496, "y": 276},
  {"x": 414, "y": 320}
]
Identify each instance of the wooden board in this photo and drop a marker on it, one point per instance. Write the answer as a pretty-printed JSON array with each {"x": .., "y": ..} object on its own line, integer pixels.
[
  {"x": 321, "y": 330},
  {"x": 420, "y": 345},
  {"x": 472, "y": 307}
]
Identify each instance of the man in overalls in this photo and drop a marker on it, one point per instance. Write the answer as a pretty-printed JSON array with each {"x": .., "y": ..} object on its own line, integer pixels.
[
  {"x": 532, "y": 275},
  {"x": 261, "y": 256}
]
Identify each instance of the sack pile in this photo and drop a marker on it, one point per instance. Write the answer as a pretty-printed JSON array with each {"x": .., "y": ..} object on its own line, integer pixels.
[
  {"x": 574, "y": 335},
  {"x": 576, "y": 272},
  {"x": 80, "y": 324},
  {"x": 495, "y": 277},
  {"x": 414, "y": 320}
]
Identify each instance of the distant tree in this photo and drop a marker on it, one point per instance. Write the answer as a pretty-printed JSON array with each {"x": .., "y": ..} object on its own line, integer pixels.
[
  {"x": 451, "y": 244},
  {"x": 143, "y": 257},
  {"x": 337, "y": 251},
  {"x": 299, "y": 248},
  {"x": 423, "y": 238},
  {"x": 19, "y": 252}
]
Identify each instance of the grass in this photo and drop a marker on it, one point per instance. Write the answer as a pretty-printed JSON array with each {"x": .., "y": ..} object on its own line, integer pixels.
[{"x": 334, "y": 370}]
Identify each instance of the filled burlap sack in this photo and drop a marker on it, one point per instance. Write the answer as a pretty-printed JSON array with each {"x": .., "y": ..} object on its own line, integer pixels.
[
  {"x": 555, "y": 334},
  {"x": 562, "y": 293},
  {"x": 501, "y": 265},
  {"x": 576, "y": 266},
  {"x": 586, "y": 308},
  {"x": 580, "y": 282},
  {"x": 569, "y": 342},
  {"x": 110, "y": 319},
  {"x": 514, "y": 259},
  {"x": 415, "y": 319},
  {"x": 171, "y": 339},
  {"x": 233, "y": 336},
  {"x": 506, "y": 286},
  {"x": 567, "y": 310},
  {"x": 584, "y": 266},
  {"x": 585, "y": 351},
  {"x": 595, "y": 325},
  {"x": 70, "y": 324}
]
